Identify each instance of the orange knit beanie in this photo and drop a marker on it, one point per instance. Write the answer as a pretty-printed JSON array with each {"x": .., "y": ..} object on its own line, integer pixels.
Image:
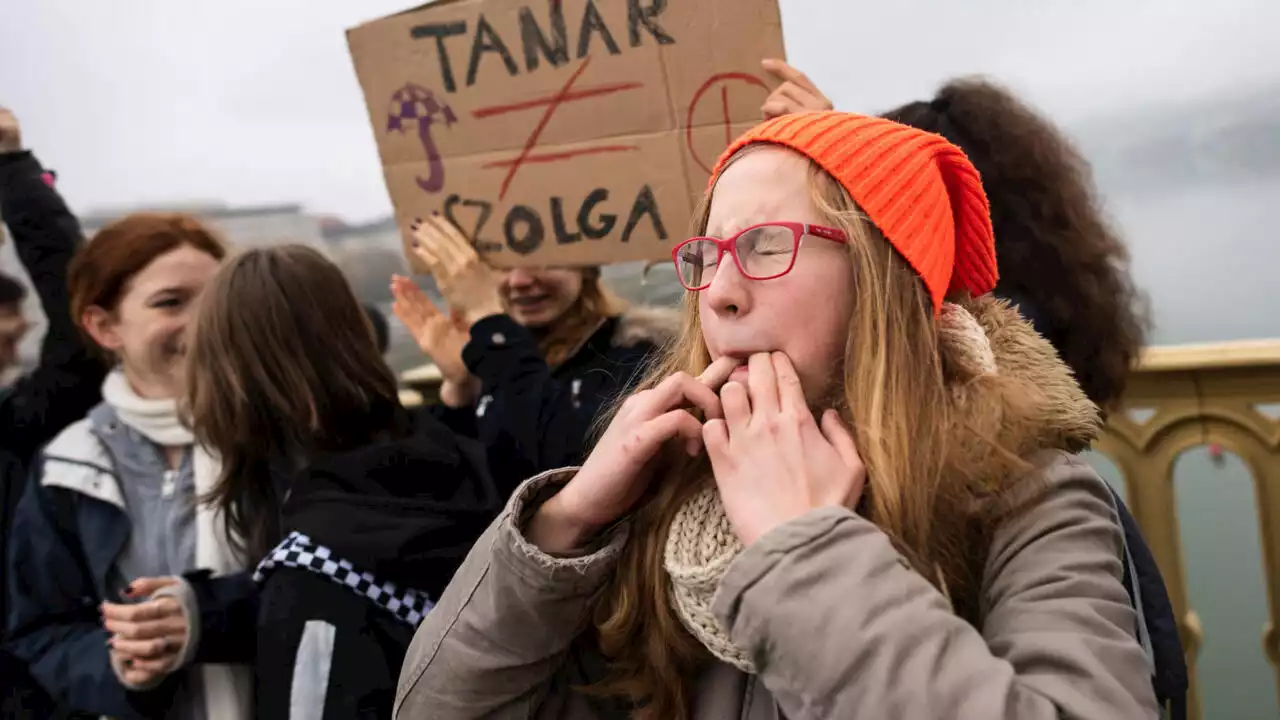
[{"x": 920, "y": 190}]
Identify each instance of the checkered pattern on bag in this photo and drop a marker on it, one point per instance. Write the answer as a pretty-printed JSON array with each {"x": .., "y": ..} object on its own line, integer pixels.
[{"x": 299, "y": 552}]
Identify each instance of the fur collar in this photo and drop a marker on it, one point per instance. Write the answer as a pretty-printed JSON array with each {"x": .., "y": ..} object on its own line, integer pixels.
[{"x": 1008, "y": 383}]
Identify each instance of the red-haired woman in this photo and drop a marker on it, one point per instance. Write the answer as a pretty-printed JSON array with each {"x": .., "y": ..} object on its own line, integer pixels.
[{"x": 113, "y": 514}]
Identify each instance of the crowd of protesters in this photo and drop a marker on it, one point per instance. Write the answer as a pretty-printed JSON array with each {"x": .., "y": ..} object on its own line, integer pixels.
[{"x": 841, "y": 480}]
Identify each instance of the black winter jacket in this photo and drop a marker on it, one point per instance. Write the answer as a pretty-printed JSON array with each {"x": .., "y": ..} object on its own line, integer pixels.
[
  {"x": 373, "y": 538},
  {"x": 532, "y": 417}
]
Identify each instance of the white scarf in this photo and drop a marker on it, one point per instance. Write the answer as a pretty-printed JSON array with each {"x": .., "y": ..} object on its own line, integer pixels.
[{"x": 228, "y": 689}]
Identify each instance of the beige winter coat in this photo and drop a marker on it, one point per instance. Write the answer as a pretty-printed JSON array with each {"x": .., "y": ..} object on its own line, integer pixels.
[{"x": 838, "y": 623}]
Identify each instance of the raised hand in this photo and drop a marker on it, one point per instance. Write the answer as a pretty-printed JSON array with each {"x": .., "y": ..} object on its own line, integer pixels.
[
  {"x": 469, "y": 285},
  {"x": 797, "y": 93},
  {"x": 772, "y": 461},
  {"x": 10, "y": 132},
  {"x": 441, "y": 337},
  {"x": 618, "y": 470}
]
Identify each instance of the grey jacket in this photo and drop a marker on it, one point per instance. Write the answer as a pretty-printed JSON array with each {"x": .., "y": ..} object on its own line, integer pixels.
[
  {"x": 1056, "y": 634},
  {"x": 1056, "y": 640}
]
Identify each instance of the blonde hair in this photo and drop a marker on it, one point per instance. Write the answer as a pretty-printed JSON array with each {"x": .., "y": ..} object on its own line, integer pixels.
[
  {"x": 595, "y": 304},
  {"x": 894, "y": 396}
]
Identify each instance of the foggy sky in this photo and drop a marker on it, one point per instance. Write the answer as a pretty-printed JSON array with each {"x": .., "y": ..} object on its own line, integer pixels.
[
  {"x": 138, "y": 101},
  {"x": 166, "y": 101}
]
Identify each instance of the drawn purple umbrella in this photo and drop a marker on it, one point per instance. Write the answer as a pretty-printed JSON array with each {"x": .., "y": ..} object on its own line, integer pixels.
[{"x": 414, "y": 103}]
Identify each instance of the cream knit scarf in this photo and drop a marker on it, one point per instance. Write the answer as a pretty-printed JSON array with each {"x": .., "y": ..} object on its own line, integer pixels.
[{"x": 701, "y": 545}]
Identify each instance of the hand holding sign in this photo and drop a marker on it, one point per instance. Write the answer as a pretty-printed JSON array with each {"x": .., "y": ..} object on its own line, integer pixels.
[
  {"x": 441, "y": 337},
  {"x": 469, "y": 285},
  {"x": 797, "y": 93}
]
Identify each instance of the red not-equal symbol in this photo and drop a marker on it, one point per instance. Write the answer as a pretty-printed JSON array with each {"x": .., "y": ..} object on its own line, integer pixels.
[
  {"x": 552, "y": 103},
  {"x": 723, "y": 80}
]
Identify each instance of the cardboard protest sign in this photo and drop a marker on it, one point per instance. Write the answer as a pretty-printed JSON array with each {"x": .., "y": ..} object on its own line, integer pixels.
[{"x": 562, "y": 132}]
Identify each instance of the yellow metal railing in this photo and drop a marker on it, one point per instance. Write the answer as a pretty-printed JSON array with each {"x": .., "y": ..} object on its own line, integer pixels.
[
  {"x": 1182, "y": 397},
  {"x": 1178, "y": 398}
]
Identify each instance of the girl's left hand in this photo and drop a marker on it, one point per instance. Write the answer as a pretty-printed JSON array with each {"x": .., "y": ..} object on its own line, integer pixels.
[
  {"x": 772, "y": 461},
  {"x": 467, "y": 283}
]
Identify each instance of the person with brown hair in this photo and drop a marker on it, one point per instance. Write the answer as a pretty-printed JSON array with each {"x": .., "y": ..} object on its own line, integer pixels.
[
  {"x": 369, "y": 507},
  {"x": 848, "y": 490},
  {"x": 111, "y": 525},
  {"x": 529, "y": 355}
]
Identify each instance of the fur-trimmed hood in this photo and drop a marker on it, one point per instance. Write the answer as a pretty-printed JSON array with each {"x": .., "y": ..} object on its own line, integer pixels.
[{"x": 1008, "y": 384}]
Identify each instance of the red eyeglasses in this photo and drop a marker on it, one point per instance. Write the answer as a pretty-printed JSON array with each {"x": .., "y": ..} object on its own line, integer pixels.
[{"x": 762, "y": 252}]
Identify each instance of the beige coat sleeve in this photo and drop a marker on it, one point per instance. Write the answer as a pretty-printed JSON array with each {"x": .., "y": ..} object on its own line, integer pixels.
[
  {"x": 501, "y": 630},
  {"x": 842, "y": 628}
]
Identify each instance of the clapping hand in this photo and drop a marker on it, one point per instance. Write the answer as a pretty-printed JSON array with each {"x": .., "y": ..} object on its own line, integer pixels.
[
  {"x": 469, "y": 285},
  {"x": 442, "y": 337}
]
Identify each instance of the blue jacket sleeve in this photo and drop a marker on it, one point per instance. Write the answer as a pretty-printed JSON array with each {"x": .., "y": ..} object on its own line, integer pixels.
[
  {"x": 54, "y": 624},
  {"x": 228, "y": 607}
]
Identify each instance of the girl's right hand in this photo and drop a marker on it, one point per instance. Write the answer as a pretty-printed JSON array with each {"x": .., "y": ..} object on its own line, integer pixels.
[
  {"x": 441, "y": 337},
  {"x": 616, "y": 473}
]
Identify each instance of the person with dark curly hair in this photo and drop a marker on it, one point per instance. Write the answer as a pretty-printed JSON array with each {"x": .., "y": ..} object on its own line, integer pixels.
[{"x": 1061, "y": 261}]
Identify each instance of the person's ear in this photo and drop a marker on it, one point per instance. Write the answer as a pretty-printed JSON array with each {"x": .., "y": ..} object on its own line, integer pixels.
[{"x": 102, "y": 327}]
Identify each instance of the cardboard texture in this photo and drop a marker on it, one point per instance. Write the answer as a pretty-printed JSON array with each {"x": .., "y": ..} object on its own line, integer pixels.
[{"x": 562, "y": 132}]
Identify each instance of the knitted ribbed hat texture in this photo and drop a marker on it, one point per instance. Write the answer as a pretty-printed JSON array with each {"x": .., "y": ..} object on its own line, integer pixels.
[{"x": 921, "y": 191}]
